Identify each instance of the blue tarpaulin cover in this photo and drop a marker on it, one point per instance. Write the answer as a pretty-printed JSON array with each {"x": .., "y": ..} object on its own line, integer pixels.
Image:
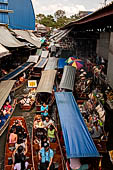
[
  {"x": 61, "y": 63},
  {"x": 78, "y": 141}
]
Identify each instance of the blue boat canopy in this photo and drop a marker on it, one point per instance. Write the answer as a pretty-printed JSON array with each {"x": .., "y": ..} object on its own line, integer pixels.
[
  {"x": 78, "y": 141},
  {"x": 61, "y": 63}
]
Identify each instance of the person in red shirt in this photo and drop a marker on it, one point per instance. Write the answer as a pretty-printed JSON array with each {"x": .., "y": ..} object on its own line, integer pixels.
[{"x": 7, "y": 108}]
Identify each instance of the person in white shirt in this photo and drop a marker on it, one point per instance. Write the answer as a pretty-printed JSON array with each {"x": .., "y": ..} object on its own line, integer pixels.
[{"x": 48, "y": 122}]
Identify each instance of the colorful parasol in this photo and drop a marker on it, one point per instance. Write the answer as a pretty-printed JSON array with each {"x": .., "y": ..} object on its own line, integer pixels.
[
  {"x": 77, "y": 63},
  {"x": 71, "y": 59}
]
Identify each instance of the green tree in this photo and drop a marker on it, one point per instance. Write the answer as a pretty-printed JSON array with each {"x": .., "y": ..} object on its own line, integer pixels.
[
  {"x": 48, "y": 21},
  {"x": 39, "y": 17},
  {"x": 59, "y": 14}
]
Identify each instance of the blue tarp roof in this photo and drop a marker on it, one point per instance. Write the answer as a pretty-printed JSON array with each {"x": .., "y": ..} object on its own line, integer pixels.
[
  {"x": 61, "y": 63},
  {"x": 78, "y": 141},
  {"x": 17, "y": 71}
]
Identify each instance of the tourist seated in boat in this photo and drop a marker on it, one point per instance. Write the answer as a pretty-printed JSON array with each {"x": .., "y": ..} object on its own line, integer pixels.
[
  {"x": 51, "y": 133},
  {"x": 13, "y": 136},
  {"x": 2, "y": 119},
  {"x": 38, "y": 123},
  {"x": 44, "y": 139},
  {"x": 46, "y": 155},
  {"x": 18, "y": 125},
  {"x": 44, "y": 110},
  {"x": 48, "y": 121},
  {"x": 21, "y": 140},
  {"x": 37, "y": 140},
  {"x": 96, "y": 131},
  {"x": 19, "y": 159},
  {"x": 7, "y": 108}
]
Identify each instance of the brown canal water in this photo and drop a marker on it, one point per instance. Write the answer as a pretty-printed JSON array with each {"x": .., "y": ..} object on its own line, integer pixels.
[{"x": 29, "y": 116}]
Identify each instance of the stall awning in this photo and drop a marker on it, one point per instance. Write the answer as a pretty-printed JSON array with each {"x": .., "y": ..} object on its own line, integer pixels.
[
  {"x": 61, "y": 63},
  {"x": 59, "y": 35},
  {"x": 45, "y": 54},
  {"x": 41, "y": 63},
  {"x": 5, "y": 88},
  {"x": 51, "y": 64},
  {"x": 78, "y": 141},
  {"x": 17, "y": 71},
  {"x": 47, "y": 81},
  {"x": 68, "y": 78},
  {"x": 7, "y": 39},
  {"x": 26, "y": 35},
  {"x": 3, "y": 51},
  {"x": 33, "y": 59}
]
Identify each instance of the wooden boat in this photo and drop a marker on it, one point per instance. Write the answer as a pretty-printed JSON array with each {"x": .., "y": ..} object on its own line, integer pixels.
[
  {"x": 28, "y": 107},
  {"x": 38, "y": 68},
  {"x": 5, "y": 90},
  {"x": 58, "y": 159},
  {"x": 45, "y": 92},
  {"x": 10, "y": 147},
  {"x": 18, "y": 85}
]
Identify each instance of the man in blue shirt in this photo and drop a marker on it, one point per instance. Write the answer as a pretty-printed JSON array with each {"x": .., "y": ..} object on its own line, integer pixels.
[
  {"x": 46, "y": 157},
  {"x": 44, "y": 109}
]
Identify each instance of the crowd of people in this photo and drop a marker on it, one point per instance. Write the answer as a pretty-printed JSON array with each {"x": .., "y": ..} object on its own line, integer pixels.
[
  {"x": 18, "y": 137},
  {"x": 44, "y": 134}
]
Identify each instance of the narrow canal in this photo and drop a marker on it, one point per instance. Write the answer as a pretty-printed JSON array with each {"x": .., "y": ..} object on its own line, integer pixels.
[{"x": 29, "y": 120}]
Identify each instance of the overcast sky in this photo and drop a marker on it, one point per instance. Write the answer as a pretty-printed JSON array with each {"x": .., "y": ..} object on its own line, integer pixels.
[{"x": 70, "y": 6}]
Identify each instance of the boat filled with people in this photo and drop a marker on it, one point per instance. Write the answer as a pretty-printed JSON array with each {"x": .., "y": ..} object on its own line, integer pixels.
[{"x": 18, "y": 153}]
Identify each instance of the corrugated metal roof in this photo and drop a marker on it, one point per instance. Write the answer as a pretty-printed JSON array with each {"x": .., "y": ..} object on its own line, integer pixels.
[
  {"x": 45, "y": 54},
  {"x": 23, "y": 16},
  {"x": 26, "y": 35},
  {"x": 58, "y": 36},
  {"x": 7, "y": 39},
  {"x": 5, "y": 88},
  {"x": 51, "y": 64},
  {"x": 33, "y": 59},
  {"x": 39, "y": 52},
  {"x": 3, "y": 51},
  {"x": 41, "y": 63},
  {"x": 4, "y": 12},
  {"x": 68, "y": 78},
  {"x": 47, "y": 81}
]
